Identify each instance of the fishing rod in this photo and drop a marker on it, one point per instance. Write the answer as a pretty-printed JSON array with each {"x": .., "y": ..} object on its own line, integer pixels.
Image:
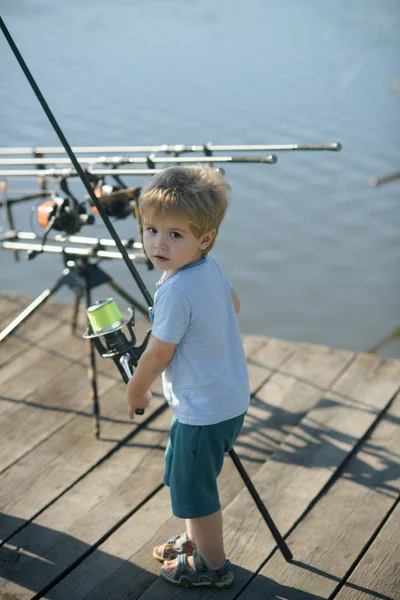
[
  {"x": 73, "y": 239},
  {"x": 375, "y": 181},
  {"x": 65, "y": 173},
  {"x": 149, "y": 160},
  {"x": 177, "y": 148},
  {"x": 77, "y": 246}
]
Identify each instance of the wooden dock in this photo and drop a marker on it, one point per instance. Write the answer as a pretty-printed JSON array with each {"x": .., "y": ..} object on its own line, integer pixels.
[{"x": 79, "y": 515}]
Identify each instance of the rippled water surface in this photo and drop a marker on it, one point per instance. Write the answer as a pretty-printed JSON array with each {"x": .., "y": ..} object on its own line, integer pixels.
[{"x": 312, "y": 249}]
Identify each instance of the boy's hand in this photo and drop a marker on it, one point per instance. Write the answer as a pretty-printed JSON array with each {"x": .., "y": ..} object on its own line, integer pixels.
[
  {"x": 152, "y": 363},
  {"x": 139, "y": 402}
]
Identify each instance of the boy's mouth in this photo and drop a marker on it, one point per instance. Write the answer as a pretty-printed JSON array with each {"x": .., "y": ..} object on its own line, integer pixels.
[{"x": 160, "y": 258}]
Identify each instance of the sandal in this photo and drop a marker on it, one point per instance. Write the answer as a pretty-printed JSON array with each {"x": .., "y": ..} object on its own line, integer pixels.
[
  {"x": 201, "y": 576},
  {"x": 171, "y": 550}
]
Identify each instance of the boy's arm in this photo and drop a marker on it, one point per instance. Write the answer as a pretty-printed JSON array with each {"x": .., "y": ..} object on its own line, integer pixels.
[
  {"x": 236, "y": 302},
  {"x": 152, "y": 363}
]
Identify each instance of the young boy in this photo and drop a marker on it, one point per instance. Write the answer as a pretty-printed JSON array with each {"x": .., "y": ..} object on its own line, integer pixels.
[{"x": 196, "y": 345}]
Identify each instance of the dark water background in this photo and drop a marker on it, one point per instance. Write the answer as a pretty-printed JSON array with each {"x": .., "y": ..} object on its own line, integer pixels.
[{"x": 312, "y": 249}]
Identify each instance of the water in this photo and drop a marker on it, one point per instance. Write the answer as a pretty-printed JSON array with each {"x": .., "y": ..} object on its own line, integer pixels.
[{"x": 311, "y": 248}]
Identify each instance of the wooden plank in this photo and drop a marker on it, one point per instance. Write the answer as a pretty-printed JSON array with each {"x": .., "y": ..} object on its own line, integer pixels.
[
  {"x": 316, "y": 448},
  {"x": 10, "y": 304},
  {"x": 123, "y": 567},
  {"x": 28, "y": 371},
  {"x": 50, "y": 380},
  {"x": 331, "y": 537},
  {"x": 29, "y": 423},
  {"x": 266, "y": 359},
  {"x": 251, "y": 343},
  {"x": 43, "y": 322},
  {"x": 70, "y": 526},
  {"x": 288, "y": 394},
  {"x": 55, "y": 464},
  {"x": 378, "y": 574},
  {"x": 133, "y": 569}
]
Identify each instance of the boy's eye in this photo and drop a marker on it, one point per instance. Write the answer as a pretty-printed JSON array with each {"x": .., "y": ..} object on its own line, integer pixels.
[
  {"x": 151, "y": 230},
  {"x": 175, "y": 235}
]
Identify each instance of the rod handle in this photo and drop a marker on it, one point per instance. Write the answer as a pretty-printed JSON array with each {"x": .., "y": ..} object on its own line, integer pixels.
[{"x": 270, "y": 159}]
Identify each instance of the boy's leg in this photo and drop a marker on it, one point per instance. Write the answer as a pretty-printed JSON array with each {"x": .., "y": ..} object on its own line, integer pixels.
[
  {"x": 194, "y": 484},
  {"x": 207, "y": 533}
]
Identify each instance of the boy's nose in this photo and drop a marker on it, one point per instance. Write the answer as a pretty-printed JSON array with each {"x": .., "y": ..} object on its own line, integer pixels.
[{"x": 161, "y": 243}]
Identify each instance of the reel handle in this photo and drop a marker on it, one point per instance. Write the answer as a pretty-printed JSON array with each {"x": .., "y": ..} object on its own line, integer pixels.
[{"x": 124, "y": 361}]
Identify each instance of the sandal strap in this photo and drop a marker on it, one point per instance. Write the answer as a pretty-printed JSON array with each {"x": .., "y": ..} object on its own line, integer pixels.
[
  {"x": 183, "y": 537},
  {"x": 224, "y": 570},
  {"x": 186, "y": 545},
  {"x": 203, "y": 575},
  {"x": 200, "y": 566},
  {"x": 198, "y": 562},
  {"x": 182, "y": 565},
  {"x": 173, "y": 539}
]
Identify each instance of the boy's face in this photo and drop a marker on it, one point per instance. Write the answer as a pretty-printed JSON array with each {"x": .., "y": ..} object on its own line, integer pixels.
[{"x": 170, "y": 244}]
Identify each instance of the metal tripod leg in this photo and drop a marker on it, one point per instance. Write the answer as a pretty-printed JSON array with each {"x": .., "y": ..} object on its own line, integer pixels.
[
  {"x": 29, "y": 310},
  {"x": 128, "y": 298},
  {"x": 75, "y": 313},
  {"x": 92, "y": 371},
  {"x": 261, "y": 506}
]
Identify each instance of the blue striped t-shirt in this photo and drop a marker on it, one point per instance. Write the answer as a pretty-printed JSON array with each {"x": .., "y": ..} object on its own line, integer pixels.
[{"x": 206, "y": 382}]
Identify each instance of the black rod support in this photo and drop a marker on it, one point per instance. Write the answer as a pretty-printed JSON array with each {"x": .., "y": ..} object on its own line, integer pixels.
[
  {"x": 92, "y": 372},
  {"x": 283, "y": 547},
  {"x": 76, "y": 164}
]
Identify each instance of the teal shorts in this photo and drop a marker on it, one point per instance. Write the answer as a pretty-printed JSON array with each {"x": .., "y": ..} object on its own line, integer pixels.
[{"x": 193, "y": 461}]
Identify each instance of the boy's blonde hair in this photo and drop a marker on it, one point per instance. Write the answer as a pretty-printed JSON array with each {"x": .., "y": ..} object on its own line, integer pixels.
[{"x": 196, "y": 193}]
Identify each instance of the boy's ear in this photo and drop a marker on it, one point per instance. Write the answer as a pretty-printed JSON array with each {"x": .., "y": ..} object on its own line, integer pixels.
[{"x": 207, "y": 238}]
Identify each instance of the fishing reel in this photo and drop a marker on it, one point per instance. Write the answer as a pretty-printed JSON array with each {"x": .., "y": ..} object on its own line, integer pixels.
[
  {"x": 106, "y": 321},
  {"x": 63, "y": 214},
  {"x": 117, "y": 201}
]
